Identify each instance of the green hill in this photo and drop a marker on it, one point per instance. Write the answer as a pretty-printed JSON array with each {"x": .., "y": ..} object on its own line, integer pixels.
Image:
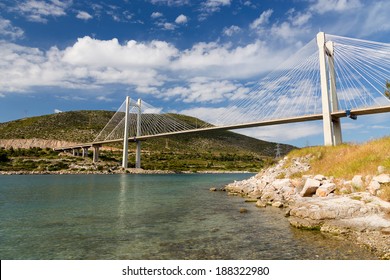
[{"x": 220, "y": 150}]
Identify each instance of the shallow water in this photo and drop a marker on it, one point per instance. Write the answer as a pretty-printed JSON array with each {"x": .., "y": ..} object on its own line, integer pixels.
[{"x": 148, "y": 217}]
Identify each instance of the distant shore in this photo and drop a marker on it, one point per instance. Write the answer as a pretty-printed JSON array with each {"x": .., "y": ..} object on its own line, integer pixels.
[{"x": 119, "y": 171}]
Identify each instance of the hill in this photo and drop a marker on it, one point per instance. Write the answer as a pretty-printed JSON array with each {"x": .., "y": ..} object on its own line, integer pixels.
[{"x": 222, "y": 150}]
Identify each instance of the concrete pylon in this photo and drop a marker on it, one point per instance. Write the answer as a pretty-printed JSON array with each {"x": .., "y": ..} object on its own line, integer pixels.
[
  {"x": 125, "y": 156},
  {"x": 332, "y": 128},
  {"x": 138, "y": 149}
]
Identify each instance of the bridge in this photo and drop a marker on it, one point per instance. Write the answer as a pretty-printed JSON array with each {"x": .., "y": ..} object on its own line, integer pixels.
[{"x": 329, "y": 78}]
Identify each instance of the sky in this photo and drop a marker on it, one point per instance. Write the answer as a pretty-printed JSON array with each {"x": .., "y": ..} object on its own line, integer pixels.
[{"x": 178, "y": 55}]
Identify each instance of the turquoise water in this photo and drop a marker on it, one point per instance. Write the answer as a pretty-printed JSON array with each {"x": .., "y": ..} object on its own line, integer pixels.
[{"x": 148, "y": 217}]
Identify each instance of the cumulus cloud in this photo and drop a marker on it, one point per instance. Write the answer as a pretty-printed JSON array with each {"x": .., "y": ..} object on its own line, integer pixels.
[
  {"x": 211, "y": 6},
  {"x": 182, "y": 19},
  {"x": 262, "y": 20},
  {"x": 156, "y": 15},
  {"x": 204, "y": 89},
  {"x": 324, "y": 6},
  {"x": 171, "y": 2},
  {"x": 7, "y": 30},
  {"x": 230, "y": 31},
  {"x": 38, "y": 11},
  {"x": 83, "y": 15},
  {"x": 225, "y": 61},
  {"x": 168, "y": 26},
  {"x": 56, "y": 111},
  {"x": 110, "y": 53},
  {"x": 215, "y": 5},
  {"x": 146, "y": 66}
]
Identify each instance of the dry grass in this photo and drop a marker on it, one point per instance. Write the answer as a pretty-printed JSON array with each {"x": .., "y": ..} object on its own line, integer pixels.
[{"x": 347, "y": 160}]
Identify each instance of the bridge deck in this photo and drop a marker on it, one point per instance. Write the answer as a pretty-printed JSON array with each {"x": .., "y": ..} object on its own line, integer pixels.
[{"x": 339, "y": 114}]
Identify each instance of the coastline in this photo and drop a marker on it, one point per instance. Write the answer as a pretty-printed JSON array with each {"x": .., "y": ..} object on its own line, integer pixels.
[
  {"x": 120, "y": 171},
  {"x": 315, "y": 202}
]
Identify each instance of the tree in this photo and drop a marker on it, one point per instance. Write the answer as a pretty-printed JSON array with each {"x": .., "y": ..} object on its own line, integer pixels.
[
  {"x": 3, "y": 156},
  {"x": 387, "y": 91}
]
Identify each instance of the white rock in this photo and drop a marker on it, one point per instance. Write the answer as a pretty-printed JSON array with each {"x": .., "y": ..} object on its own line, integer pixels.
[
  {"x": 319, "y": 177},
  {"x": 373, "y": 187},
  {"x": 326, "y": 189},
  {"x": 357, "y": 181},
  {"x": 382, "y": 179},
  {"x": 310, "y": 188}
]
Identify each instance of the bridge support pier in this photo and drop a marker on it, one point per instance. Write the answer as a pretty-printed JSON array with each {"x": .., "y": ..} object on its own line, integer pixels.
[
  {"x": 138, "y": 155},
  {"x": 85, "y": 152},
  {"x": 332, "y": 127},
  {"x": 75, "y": 152},
  {"x": 95, "y": 149}
]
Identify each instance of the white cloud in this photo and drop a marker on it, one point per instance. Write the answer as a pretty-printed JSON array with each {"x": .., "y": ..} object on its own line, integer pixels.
[
  {"x": 169, "y": 26},
  {"x": 375, "y": 18},
  {"x": 156, "y": 15},
  {"x": 211, "y": 6},
  {"x": 110, "y": 53},
  {"x": 56, "y": 111},
  {"x": 2, "y": 95},
  {"x": 182, "y": 19},
  {"x": 104, "y": 98},
  {"x": 215, "y": 5},
  {"x": 171, "y": 2},
  {"x": 298, "y": 18},
  {"x": 83, "y": 15},
  {"x": 9, "y": 31},
  {"x": 38, "y": 11},
  {"x": 203, "y": 89},
  {"x": 230, "y": 31},
  {"x": 224, "y": 61},
  {"x": 324, "y": 6},
  {"x": 262, "y": 20}
]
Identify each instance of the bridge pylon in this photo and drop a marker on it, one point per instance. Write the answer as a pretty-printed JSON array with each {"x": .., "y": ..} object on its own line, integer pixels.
[
  {"x": 138, "y": 149},
  {"x": 332, "y": 127},
  {"x": 125, "y": 156}
]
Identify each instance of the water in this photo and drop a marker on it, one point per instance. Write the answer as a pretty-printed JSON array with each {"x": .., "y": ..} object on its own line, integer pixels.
[{"x": 148, "y": 217}]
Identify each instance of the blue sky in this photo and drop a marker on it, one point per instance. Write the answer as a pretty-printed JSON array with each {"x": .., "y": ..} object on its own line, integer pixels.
[{"x": 178, "y": 55}]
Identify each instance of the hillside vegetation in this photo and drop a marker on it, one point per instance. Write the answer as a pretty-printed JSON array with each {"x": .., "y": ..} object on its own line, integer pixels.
[
  {"x": 222, "y": 150},
  {"x": 347, "y": 160}
]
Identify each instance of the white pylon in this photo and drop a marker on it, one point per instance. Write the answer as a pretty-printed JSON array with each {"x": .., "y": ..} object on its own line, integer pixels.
[
  {"x": 138, "y": 150},
  {"x": 125, "y": 156},
  {"x": 332, "y": 129}
]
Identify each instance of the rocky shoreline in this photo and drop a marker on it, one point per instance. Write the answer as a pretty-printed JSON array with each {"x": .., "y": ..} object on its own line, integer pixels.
[{"x": 348, "y": 209}]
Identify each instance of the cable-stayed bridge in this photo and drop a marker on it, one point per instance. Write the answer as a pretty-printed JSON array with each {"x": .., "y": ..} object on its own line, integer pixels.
[{"x": 329, "y": 78}]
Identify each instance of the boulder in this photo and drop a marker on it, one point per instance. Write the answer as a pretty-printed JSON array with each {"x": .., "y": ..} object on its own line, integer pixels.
[
  {"x": 319, "y": 177},
  {"x": 213, "y": 189},
  {"x": 326, "y": 189},
  {"x": 373, "y": 187},
  {"x": 260, "y": 204},
  {"x": 280, "y": 183},
  {"x": 277, "y": 204},
  {"x": 382, "y": 179},
  {"x": 310, "y": 188},
  {"x": 357, "y": 182}
]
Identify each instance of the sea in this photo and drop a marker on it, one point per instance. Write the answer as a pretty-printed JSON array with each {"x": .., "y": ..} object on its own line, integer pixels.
[{"x": 150, "y": 217}]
